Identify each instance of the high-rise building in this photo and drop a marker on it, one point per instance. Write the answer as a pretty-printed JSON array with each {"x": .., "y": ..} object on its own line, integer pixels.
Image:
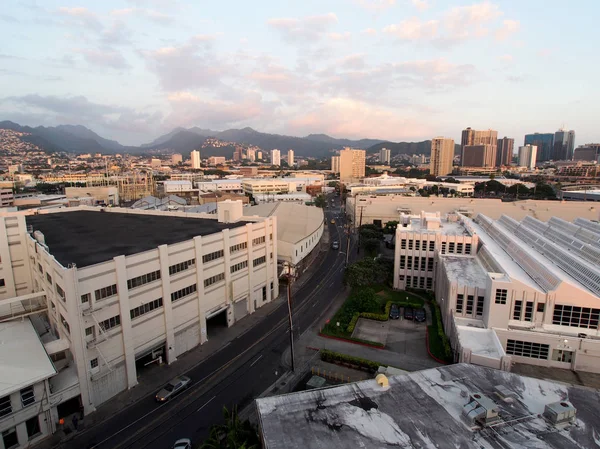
[
  {"x": 527, "y": 156},
  {"x": 195, "y": 156},
  {"x": 238, "y": 154},
  {"x": 544, "y": 143},
  {"x": 385, "y": 156},
  {"x": 290, "y": 158},
  {"x": 588, "y": 152},
  {"x": 481, "y": 155},
  {"x": 559, "y": 152},
  {"x": 504, "y": 152},
  {"x": 176, "y": 159},
  {"x": 275, "y": 157},
  {"x": 442, "y": 154},
  {"x": 352, "y": 165},
  {"x": 155, "y": 163},
  {"x": 251, "y": 154},
  {"x": 259, "y": 155},
  {"x": 570, "y": 144},
  {"x": 488, "y": 139},
  {"x": 335, "y": 164}
]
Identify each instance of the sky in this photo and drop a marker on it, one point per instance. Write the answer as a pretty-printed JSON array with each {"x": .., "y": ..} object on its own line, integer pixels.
[{"x": 400, "y": 70}]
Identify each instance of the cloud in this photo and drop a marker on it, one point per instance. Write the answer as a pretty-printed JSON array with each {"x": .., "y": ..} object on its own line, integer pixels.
[
  {"x": 436, "y": 73},
  {"x": 144, "y": 13},
  {"x": 117, "y": 34},
  {"x": 74, "y": 106},
  {"x": 81, "y": 17},
  {"x": 104, "y": 58},
  {"x": 506, "y": 58},
  {"x": 464, "y": 22},
  {"x": 508, "y": 28},
  {"x": 309, "y": 28},
  {"x": 376, "y": 5},
  {"x": 413, "y": 29},
  {"x": 340, "y": 36},
  {"x": 369, "y": 31},
  {"x": 421, "y": 5},
  {"x": 515, "y": 79}
]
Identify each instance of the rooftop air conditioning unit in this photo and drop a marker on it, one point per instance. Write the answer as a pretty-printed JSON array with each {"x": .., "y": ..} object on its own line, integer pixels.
[{"x": 560, "y": 413}]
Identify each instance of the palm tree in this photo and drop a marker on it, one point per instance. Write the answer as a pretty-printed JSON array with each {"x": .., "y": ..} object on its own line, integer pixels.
[{"x": 233, "y": 434}]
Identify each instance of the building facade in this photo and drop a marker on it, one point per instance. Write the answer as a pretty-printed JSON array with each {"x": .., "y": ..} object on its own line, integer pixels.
[
  {"x": 176, "y": 159},
  {"x": 195, "y": 157},
  {"x": 275, "y": 157},
  {"x": 352, "y": 165},
  {"x": 385, "y": 156},
  {"x": 504, "y": 152},
  {"x": 589, "y": 152},
  {"x": 290, "y": 158},
  {"x": 528, "y": 156},
  {"x": 545, "y": 144},
  {"x": 442, "y": 155},
  {"x": 486, "y": 143},
  {"x": 335, "y": 164}
]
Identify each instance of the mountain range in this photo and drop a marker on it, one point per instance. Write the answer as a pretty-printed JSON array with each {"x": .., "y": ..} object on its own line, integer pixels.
[{"x": 79, "y": 139}]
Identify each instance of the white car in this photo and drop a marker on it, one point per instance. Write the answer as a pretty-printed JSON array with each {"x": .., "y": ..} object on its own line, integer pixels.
[
  {"x": 173, "y": 388},
  {"x": 184, "y": 443}
]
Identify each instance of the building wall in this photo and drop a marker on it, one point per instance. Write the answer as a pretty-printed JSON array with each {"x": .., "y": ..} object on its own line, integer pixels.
[
  {"x": 6, "y": 197},
  {"x": 442, "y": 155},
  {"x": 352, "y": 165}
]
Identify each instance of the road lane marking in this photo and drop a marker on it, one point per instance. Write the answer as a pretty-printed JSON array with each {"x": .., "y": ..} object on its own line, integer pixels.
[
  {"x": 206, "y": 403},
  {"x": 254, "y": 363}
]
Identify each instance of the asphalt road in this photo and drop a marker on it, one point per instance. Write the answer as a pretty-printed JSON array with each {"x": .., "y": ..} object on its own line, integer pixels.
[{"x": 235, "y": 375}]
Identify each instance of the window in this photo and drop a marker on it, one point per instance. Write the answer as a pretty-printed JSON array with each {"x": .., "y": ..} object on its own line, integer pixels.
[
  {"x": 238, "y": 247},
  {"x": 403, "y": 244},
  {"x": 27, "y": 397},
  {"x": 529, "y": 311},
  {"x": 410, "y": 244},
  {"x": 94, "y": 363},
  {"x": 527, "y": 349},
  {"x": 182, "y": 266},
  {"x": 85, "y": 299},
  {"x": 421, "y": 282},
  {"x": 402, "y": 262},
  {"x": 65, "y": 324},
  {"x": 576, "y": 316},
  {"x": 459, "y": 248},
  {"x": 401, "y": 277},
  {"x": 459, "y": 303},
  {"x": 417, "y": 245},
  {"x": 49, "y": 278},
  {"x": 239, "y": 266},
  {"x": 430, "y": 264},
  {"x": 110, "y": 323},
  {"x": 431, "y": 245},
  {"x": 258, "y": 240},
  {"x": 33, "y": 427},
  {"x": 409, "y": 262},
  {"x": 5, "y": 406},
  {"x": 540, "y": 307},
  {"x": 429, "y": 283},
  {"x": 467, "y": 248},
  {"x": 60, "y": 292},
  {"x": 9, "y": 437},
  {"x": 259, "y": 261},
  {"x": 501, "y": 295},
  {"x": 517, "y": 310},
  {"x": 176, "y": 296},
  {"x": 480, "y": 302},
  {"x": 423, "y": 263},
  {"x": 470, "y": 299},
  {"x": 143, "y": 279},
  {"x": 264, "y": 293},
  {"x": 89, "y": 331},
  {"x": 146, "y": 308},
  {"x": 212, "y": 256},
  {"x": 105, "y": 292},
  {"x": 443, "y": 247},
  {"x": 451, "y": 247},
  {"x": 2, "y": 283}
]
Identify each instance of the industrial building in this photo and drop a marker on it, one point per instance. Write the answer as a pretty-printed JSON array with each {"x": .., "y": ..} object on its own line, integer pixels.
[{"x": 111, "y": 290}]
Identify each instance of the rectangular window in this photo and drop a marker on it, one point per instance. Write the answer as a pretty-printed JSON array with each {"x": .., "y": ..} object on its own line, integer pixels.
[
  {"x": 401, "y": 277},
  {"x": 89, "y": 331},
  {"x": 410, "y": 244},
  {"x": 33, "y": 427},
  {"x": 105, "y": 292},
  {"x": 143, "y": 279},
  {"x": 529, "y": 311},
  {"x": 146, "y": 308},
  {"x": 258, "y": 240},
  {"x": 182, "y": 266},
  {"x": 451, "y": 247},
  {"x": 239, "y": 266},
  {"x": 49, "y": 278},
  {"x": 517, "y": 310},
  {"x": 431, "y": 245},
  {"x": 10, "y": 439},
  {"x": 417, "y": 245},
  {"x": 459, "y": 248},
  {"x": 65, "y": 324},
  {"x": 430, "y": 264},
  {"x": 2, "y": 283},
  {"x": 501, "y": 295},
  {"x": 422, "y": 282},
  {"x": 214, "y": 279},
  {"x": 480, "y": 302},
  {"x": 540, "y": 307},
  {"x": 213, "y": 256},
  {"x": 27, "y": 396},
  {"x": 460, "y": 299},
  {"x": 423, "y": 263},
  {"x": 409, "y": 262},
  {"x": 402, "y": 262},
  {"x": 176, "y": 296},
  {"x": 94, "y": 363},
  {"x": 408, "y": 279},
  {"x": 259, "y": 261},
  {"x": 443, "y": 247},
  {"x": 576, "y": 316},
  {"x": 429, "y": 283},
  {"x": 5, "y": 406},
  {"x": 238, "y": 247},
  {"x": 470, "y": 300},
  {"x": 467, "y": 248},
  {"x": 110, "y": 323},
  {"x": 527, "y": 349},
  {"x": 85, "y": 299},
  {"x": 60, "y": 292},
  {"x": 264, "y": 293},
  {"x": 403, "y": 244}
]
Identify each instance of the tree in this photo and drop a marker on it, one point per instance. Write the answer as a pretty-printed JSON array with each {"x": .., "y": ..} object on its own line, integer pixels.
[
  {"x": 370, "y": 245},
  {"x": 518, "y": 189},
  {"x": 333, "y": 184},
  {"x": 390, "y": 227},
  {"x": 321, "y": 201},
  {"x": 233, "y": 434}
]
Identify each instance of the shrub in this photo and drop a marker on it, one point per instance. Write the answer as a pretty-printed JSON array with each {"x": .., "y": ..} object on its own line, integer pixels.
[
  {"x": 336, "y": 357},
  {"x": 353, "y": 322}
]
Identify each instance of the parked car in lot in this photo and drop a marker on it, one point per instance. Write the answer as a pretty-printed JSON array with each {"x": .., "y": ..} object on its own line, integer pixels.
[
  {"x": 183, "y": 443},
  {"x": 335, "y": 245},
  {"x": 394, "y": 312},
  {"x": 420, "y": 315},
  {"x": 173, "y": 388},
  {"x": 409, "y": 313}
]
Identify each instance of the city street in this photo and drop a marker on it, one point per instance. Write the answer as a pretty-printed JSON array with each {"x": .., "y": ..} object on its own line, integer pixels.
[{"x": 234, "y": 375}]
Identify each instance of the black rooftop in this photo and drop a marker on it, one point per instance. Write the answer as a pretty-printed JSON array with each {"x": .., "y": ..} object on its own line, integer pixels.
[{"x": 87, "y": 237}]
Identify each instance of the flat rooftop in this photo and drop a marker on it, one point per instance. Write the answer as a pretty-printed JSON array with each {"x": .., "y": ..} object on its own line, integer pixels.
[
  {"x": 446, "y": 227},
  {"x": 465, "y": 270},
  {"x": 89, "y": 237},
  {"x": 423, "y": 409}
]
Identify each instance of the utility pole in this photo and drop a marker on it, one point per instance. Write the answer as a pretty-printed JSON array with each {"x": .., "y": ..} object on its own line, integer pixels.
[
  {"x": 359, "y": 226},
  {"x": 289, "y": 301},
  {"x": 347, "y": 243}
]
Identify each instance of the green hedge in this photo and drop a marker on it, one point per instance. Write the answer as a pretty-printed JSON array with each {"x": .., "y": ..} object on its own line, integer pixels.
[
  {"x": 336, "y": 357},
  {"x": 438, "y": 341},
  {"x": 353, "y": 322}
]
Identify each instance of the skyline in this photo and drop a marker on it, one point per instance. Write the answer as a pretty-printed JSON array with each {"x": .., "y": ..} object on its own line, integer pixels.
[{"x": 386, "y": 69}]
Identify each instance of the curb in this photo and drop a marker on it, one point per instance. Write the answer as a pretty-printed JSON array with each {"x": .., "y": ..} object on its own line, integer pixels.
[
  {"x": 351, "y": 341},
  {"x": 429, "y": 351}
]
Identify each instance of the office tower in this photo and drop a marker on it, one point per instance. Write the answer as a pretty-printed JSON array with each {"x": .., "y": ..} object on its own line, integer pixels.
[
  {"x": 176, "y": 159},
  {"x": 275, "y": 157},
  {"x": 570, "y": 144},
  {"x": 335, "y": 164},
  {"x": 195, "y": 156},
  {"x": 504, "y": 152},
  {"x": 385, "y": 156},
  {"x": 290, "y": 158},
  {"x": 237, "y": 154},
  {"x": 251, "y": 154},
  {"x": 259, "y": 155},
  {"x": 488, "y": 139},
  {"x": 442, "y": 154},
  {"x": 352, "y": 165},
  {"x": 588, "y": 152},
  {"x": 527, "y": 156},
  {"x": 544, "y": 143},
  {"x": 559, "y": 152}
]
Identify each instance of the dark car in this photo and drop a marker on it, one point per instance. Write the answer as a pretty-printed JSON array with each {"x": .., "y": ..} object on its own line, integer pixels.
[
  {"x": 335, "y": 245},
  {"x": 395, "y": 312},
  {"x": 409, "y": 313},
  {"x": 420, "y": 315}
]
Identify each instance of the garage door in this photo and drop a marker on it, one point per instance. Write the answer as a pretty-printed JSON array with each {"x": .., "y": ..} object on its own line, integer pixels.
[
  {"x": 187, "y": 339},
  {"x": 109, "y": 385},
  {"x": 240, "y": 309}
]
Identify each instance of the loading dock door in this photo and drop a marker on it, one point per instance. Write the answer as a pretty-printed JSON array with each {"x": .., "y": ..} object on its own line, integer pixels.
[{"x": 240, "y": 309}]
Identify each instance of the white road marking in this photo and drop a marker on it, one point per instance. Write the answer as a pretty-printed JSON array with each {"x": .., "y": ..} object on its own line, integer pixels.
[
  {"x": 206, "y": 403},
  {"x": 257, "y": 359}
]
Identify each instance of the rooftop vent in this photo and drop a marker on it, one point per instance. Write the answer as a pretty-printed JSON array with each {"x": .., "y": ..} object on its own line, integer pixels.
[
  {"x": 480, "y": 410},
  {"x": 504, "y": 393},
  {"x": 382, "y": 380},
  {"x": 560, "y": 413}
]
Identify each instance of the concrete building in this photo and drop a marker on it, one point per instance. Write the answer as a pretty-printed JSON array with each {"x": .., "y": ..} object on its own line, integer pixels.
[
  {"x": 106, "y": 195},
  {"x": 222, "y": 185},
  {"x": 442, "y": 155},
  {"x": 176, "y": 159},
  {"x": 219, "y": 196},
  {"x": 564, "y": 145},
  {"x": 290, "y": 158},
  {"x": 527, "y": 156},
  {"x": 275, "y": 157},
  {"x": 6, "y": 197},
  {"x": 259, "y": 155},
  {"x": 216, "y": 160},
  {"x": 195, "y": 157},
  {"x": 544, "y": 142},
  {"x": 120, "y": 288},
  {"x": 479, "y": 156},
  {"x": 589, "y": 152},
  {"x": 352, "y": 165},
  {"x": 385, "y": 156},
  {"x": 255, "y": 186},
  {"x": 155, "y": 163},
  {"x": 168, "y": 187},
  {"x": 251, "y": 154},
  {"x": 581, "y": 195},
  {"x": 335, "y": 164},
  {"x": 299, "y": 198},
  {"x": 504, "y": 152}
]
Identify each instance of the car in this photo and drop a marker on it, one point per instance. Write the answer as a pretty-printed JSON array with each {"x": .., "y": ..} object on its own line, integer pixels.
[
  {"x": 173, "y": 388},
  {"x": 420, "y": 315},
  {"x": 395, "y": 312},
  {"x": 409, "y": 313},
  {"x": 332, "y": 221},
  {"x": 335, "y": 245},
  {"x": 183, "y": 443}
]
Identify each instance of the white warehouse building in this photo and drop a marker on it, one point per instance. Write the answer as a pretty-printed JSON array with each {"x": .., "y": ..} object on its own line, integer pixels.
[{"x": 109, "y": 290}]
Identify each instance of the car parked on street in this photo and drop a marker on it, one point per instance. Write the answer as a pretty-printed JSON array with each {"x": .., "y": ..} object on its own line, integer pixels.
[
  {"x": 409, "y": 313},
  {"x": 183, "y": 443},
  {"x": 420, "y": 315},
  {"x": 173, "y": 388},
  {"x": 395, "y": 312}
]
